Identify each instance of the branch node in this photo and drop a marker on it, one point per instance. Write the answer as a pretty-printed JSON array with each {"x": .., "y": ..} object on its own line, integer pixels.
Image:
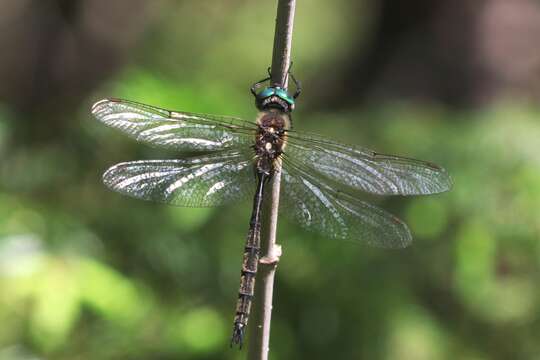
[{"x": 272, "y": 258}]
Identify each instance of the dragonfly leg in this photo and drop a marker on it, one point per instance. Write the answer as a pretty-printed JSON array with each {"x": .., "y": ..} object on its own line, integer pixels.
[
  {"x": 256, "y": 86},
  {"x": 297, "y": 85}
]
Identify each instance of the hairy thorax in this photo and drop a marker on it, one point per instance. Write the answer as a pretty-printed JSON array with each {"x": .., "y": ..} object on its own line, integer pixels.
[{"x": 270, "y": 139}]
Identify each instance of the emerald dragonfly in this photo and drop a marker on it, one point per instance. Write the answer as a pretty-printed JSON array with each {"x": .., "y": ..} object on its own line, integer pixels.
[{"x": 226, "y": 159}]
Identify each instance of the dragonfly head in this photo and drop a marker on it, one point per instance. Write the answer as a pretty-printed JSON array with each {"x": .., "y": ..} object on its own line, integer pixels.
[{"x": 274, "y": 97}]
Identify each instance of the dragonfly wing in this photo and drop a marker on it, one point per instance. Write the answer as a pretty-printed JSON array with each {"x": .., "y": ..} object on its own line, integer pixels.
[
  {"x": 365, "y": 170},
  {"x": 319, "y": 208},
  {"x": 180, "y": 131},
  {"x": 202, "y": 181}
]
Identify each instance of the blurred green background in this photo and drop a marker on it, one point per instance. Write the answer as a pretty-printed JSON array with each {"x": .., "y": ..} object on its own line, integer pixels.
[{"x": 89, "y": 274}]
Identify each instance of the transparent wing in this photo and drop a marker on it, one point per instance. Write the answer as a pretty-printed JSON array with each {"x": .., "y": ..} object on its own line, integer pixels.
[
  {"x": 180, "y": 131},
  {"x": 195, "y": 182},
  {"x": 365, "y": 170},
  {"x": 318, "y": 207}
]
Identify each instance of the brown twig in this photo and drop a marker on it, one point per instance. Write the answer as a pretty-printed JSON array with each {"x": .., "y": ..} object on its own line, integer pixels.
[{"x": 259, "y": 338}]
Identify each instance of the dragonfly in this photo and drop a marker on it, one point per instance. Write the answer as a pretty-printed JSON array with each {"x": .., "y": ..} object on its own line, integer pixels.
[{"x": 225, "y": 159}]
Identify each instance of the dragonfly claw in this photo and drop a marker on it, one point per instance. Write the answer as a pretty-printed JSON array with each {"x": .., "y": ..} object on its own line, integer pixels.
[{"x": 238, "y": 335}]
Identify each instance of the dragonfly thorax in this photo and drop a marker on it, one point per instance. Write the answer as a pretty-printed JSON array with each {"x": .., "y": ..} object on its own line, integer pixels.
[
  {"x": 274, "y": 120},
  {"x": 270, "y": 138}
]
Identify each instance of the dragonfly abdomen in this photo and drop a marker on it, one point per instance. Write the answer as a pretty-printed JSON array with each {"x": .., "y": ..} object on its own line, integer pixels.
[
  {"x": 247, "y": 285},
  {"x": 249, "y": 265}
]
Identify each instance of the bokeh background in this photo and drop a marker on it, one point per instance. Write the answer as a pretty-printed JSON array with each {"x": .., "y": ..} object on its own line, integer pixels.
[{"x": 89, "y": 274}]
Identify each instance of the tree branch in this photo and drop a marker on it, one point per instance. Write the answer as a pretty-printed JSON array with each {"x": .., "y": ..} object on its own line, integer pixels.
[{"x": 259, "y": 338}]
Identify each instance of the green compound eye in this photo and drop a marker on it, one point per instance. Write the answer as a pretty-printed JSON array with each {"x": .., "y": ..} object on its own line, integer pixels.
[
  {"x": 269, "y": 91},
  {"x": 284, "y": 95},
  {"x": 274, "y": 97}
]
